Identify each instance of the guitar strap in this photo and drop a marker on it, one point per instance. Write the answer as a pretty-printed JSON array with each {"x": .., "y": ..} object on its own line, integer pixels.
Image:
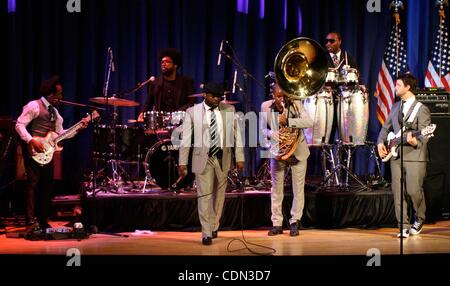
[
  {"x": 413, "y": 114},
  {"x": 411, "y": 117}
]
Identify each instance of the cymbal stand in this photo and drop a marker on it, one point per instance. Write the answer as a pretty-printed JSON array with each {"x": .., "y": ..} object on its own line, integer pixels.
[{"x": 112, "y": 127}]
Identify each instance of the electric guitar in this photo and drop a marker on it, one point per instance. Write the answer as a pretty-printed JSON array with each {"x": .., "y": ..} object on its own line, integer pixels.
[
  {"x": 394, "y": 139},
  {"x": 51, "y": 140}
]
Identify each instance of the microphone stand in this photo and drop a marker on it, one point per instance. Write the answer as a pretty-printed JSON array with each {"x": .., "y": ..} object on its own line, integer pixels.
[
  {"x": 401, "y": 178},
  {"x": 248, "y": 151},
  {"x": 65, "y": 102},
  {"x": 135, "y": 88}
]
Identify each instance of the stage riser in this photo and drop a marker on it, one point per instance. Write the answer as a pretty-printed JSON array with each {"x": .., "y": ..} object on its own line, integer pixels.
[{"x": 156, "y": 212}]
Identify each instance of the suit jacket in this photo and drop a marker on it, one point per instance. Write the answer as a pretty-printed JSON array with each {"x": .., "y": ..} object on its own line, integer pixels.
[
  {"x": 302, "y": 121},
  {"x": 422, "y": 119},
  {"x": 195, "y": 125},
  {"x": 184, "y": 86},
  {"x": 351, "y": 61}
]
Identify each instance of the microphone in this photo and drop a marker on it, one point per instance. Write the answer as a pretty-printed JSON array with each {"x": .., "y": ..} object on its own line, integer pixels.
[
  {"x": 152, "y": 78},
  {"x": 234, "y": 81},
  {"x": 113, "y": 68},
  {"x": 219, "y": 58}
]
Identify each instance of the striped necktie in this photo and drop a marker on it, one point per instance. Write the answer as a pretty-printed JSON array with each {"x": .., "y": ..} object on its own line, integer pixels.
[
  {"x": 335, "y": 60},
  {"x": 214, "y": 147}
]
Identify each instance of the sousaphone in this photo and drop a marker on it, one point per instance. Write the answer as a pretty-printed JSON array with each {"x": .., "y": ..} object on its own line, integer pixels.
[{"x": 301, "y": 68}]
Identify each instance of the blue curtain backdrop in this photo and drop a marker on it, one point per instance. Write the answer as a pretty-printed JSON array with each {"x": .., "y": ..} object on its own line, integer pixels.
[{"x": 41, "y": 38}]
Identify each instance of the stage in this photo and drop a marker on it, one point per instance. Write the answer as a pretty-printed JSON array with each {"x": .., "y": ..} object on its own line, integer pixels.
[
  {"x": 156, "y": 250},
  {"x": 119, "y": 210},
  {"x": 159, "y": 231}
]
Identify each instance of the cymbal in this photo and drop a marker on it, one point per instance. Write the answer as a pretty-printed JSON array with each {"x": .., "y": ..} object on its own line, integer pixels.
[
  {"x": 202, "y": 94},
  {"x": 230, "y": 101},
  {"x": 197, "y": 95},
  {"x": 115, "y": 101},
  {"x": 135, "y": 121}
]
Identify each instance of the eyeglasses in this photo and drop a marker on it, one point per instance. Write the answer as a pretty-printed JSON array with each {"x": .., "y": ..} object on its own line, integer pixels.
[{"x": 330, "y": 40}]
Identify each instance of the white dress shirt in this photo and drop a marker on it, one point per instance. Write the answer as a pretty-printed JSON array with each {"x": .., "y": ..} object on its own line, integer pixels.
[
  {"x": 30, "y": 112},
  {"x": 407, "y": 105}
]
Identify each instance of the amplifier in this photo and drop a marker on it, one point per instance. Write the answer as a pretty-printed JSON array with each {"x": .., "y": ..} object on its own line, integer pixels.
[{"x": 437, "y": 100}]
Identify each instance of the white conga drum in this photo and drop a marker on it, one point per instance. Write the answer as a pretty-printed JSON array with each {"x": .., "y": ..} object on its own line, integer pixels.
[
  {"x": 320, "y": 108},
  {"x": 353, "y": 115}
]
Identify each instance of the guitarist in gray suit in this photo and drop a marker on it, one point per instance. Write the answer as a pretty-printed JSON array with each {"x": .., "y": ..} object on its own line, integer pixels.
[
  {"x": 210, "y": 131},
  {"x": 297, "y": 161},
  {"x": 415, "y": 116},
  {"x": 37, "y": 119}
]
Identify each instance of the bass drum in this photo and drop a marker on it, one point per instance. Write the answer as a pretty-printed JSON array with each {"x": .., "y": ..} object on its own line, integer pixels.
[
  {"x": 354, "y": 116},
  {"x": 320, "y": 108},
  {"x": 161, "y": 164}
]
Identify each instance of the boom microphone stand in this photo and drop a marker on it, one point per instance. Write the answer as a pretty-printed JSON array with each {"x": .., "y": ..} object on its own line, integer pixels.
[{"x": 250, "y": 152}]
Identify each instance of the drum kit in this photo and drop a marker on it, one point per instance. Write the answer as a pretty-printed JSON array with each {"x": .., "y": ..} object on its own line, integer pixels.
[
  {"x": 145, "y": 143},
  {"x": 341, "y": 95}
]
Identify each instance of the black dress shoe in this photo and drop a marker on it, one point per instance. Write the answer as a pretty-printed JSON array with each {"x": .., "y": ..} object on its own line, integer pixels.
[
  {"x": 275, "y": 230},
  {"x": 294, "y": 229},
  {"x": 214, "y": 234},
  {"x": 207, "y": 240}
]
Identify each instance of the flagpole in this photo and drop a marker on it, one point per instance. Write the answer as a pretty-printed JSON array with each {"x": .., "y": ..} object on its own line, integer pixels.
[
  {"x": 397, "y": 22},
  {"x": 441, "y": 17}
]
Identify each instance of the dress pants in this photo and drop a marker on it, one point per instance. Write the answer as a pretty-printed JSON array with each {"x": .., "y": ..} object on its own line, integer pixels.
[
  {"x": 38, "y": 188},
  {"x": 414, "y": 174},
  {"x": 277, "y": 171},
  {"x": 211, "y": 187}
]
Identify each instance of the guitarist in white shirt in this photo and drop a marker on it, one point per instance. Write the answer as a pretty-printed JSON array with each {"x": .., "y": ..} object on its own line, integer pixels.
[
  {"x": 37, "y": 119},
  {"x": 416, "y": 116}
]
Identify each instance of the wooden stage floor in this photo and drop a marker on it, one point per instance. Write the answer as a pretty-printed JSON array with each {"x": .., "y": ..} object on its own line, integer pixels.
[{"x": 434, "y": 239}]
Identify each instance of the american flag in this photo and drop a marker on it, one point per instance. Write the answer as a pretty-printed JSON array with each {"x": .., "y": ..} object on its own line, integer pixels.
[
  {"x": 438, "y": 71},
  {"x": 389, "y": 71}
]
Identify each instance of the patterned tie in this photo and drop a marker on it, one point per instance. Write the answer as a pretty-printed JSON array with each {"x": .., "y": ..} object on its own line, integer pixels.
[
  {"x": 335, "y": 60},
  {"x": 214, "y": 147},
  {"x": 51, "y": 111},
  {"x": 400, "y": 113}
]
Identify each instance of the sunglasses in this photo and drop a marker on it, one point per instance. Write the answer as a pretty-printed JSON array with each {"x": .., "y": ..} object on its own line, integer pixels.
[{"x": 330, "y": 40}]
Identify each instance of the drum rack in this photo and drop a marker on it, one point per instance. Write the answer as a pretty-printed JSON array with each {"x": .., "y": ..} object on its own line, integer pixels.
[{"x": 343, "y": 92}]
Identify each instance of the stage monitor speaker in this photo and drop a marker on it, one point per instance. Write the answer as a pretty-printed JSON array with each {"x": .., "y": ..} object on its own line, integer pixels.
[{"x": 437, "y": 182}]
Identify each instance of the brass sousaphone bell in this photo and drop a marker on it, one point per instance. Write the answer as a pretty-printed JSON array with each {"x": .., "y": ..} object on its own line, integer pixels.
[{"x": 301, "y": 68}]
